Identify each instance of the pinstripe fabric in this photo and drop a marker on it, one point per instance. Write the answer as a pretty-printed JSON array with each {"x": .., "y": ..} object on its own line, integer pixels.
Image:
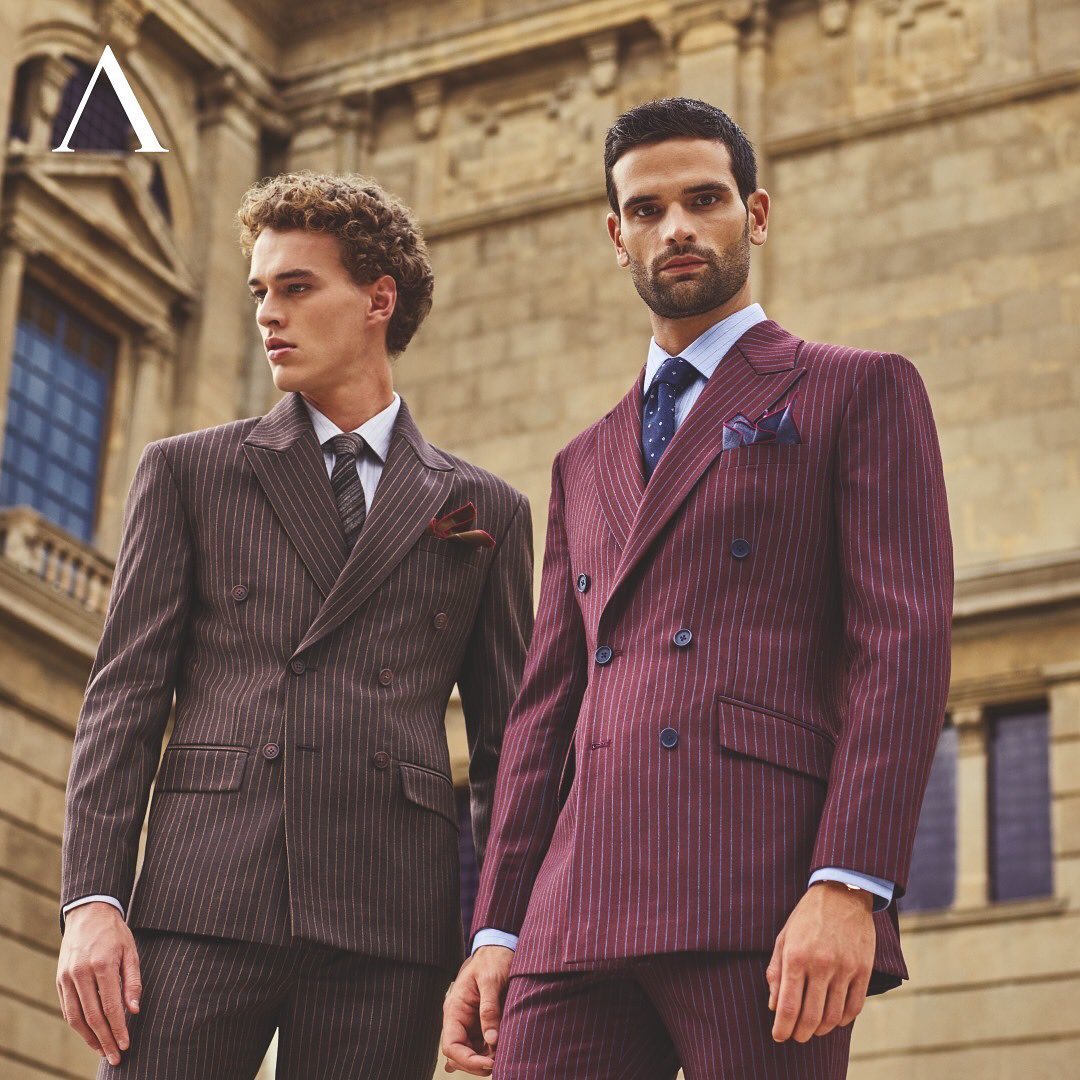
[
  {"x": 807, "y": 704},
  {"x": 210, "y": 1008},
  {"x": 705, "y": 1012},
  {"x": 306, "y": 789}
]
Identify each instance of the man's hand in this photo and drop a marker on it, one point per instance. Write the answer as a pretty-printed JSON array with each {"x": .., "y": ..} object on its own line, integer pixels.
[
  {"x": 821, "y": 962},
  {"x": 473, "y": 1009},
  {"x": 98, "y": 969}
]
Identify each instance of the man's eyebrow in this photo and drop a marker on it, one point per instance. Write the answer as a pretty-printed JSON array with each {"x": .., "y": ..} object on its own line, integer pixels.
[
  {"x": 696, "y": 189},
  {"x": 286, "y": 275}
]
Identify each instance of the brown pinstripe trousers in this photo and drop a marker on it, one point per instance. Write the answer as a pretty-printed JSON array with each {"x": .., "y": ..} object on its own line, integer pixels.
[
  {"x": 643, "y": 1019},
  {"x": 210, "y": 1007}
]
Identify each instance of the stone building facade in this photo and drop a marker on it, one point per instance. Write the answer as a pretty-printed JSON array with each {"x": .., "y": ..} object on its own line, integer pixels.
[{"x": 923, "y": 159}]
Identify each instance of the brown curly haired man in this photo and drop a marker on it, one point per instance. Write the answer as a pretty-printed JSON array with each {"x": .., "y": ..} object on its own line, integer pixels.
[{"x": 310, "y": 585}]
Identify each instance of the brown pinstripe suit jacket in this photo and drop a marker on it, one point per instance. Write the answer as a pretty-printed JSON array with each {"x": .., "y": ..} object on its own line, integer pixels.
[
  {"x": 816, "y": 581},
  {"x": 232, "y": 588}
]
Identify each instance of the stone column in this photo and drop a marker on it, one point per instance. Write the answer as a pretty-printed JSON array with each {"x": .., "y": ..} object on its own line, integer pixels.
[
  {"x": 327, "y": 137},
  {"x": 972, "y": 832},
  {"x": 13, "y": 252},
  {"x": 11, "y": 17},
  {"x": 212, "y": 375}
]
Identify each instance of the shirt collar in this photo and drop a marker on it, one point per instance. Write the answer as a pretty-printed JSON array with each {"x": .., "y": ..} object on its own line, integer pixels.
[
  {"x": 710, "y": 347},
  {"x": 376, "y": 431}
]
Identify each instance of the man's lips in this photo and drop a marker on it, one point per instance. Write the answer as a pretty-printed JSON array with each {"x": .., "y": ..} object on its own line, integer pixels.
[
  {"x": 683, "y": 264},
  {"x": 275, "y": 346}
]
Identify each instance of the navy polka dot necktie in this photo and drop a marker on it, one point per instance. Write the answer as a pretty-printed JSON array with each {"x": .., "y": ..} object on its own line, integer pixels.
[{"x": 658, "y": 414}]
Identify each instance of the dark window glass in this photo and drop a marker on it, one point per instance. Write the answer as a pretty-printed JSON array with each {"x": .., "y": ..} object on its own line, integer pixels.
[
  {"x": 1020, "y": 851},
  {"x": 932, "y": 880},
  {"x": 61, "y": 373},
  {"x": 103, "y": 125},
  {"x": 159, "y": 193},
  {"x": 470, "y": 873}
]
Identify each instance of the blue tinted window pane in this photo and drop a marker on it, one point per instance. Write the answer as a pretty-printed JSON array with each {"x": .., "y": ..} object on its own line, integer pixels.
[
  {"x": 53, "y": 431},
  {"x": 1020, "y": 849},
  {"x": 932, "y": 881}
]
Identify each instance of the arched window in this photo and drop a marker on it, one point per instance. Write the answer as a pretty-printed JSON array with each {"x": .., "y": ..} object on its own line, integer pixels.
[{"x": 103, "y": 125}]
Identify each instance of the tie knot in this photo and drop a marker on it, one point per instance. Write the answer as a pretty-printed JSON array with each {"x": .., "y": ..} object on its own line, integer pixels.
[
  {"x": 677, "y": 373},
  {"x": 348, "y": 444}
]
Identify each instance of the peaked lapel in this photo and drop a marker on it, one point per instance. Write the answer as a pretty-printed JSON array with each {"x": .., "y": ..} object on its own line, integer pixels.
[
  {"x": 757, "y": 370},
  {"x": 288, "y": 461},
  {"x": 415, "y": 481},
  {"x": 620, "y": 474}
]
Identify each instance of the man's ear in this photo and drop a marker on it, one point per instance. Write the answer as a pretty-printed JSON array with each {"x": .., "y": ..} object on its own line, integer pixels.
[
  {"x": 383, "y": 295},
  {"x": 614, "y": 227}
]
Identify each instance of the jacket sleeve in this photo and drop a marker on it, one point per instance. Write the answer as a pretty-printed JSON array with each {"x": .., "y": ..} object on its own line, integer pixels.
[
  {"x": 493, "y": 661},
  {"x": 539, "y": 732},
  {"x": 130, "y": 691},
  {"x": 896, "y": 569}
]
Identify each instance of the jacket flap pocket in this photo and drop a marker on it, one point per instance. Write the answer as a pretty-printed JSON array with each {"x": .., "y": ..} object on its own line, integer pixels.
[
  {"x": 748, "y": 729},
  {"x": 429, "y": 789},
  {"x": 202, "y": 768}
]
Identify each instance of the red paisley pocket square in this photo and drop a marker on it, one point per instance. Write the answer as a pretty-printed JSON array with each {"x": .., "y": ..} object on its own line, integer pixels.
[{"x": 458, "y": 527}]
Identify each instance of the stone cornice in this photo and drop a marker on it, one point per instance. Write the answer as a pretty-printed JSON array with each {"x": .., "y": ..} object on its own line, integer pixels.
[{"x": 1018, "y": 587}]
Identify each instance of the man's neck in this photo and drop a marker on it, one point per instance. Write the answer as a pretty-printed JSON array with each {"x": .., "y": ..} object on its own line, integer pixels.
[
  {"x": 352, "y": 405},
  {"x": 673, "y": 335}
]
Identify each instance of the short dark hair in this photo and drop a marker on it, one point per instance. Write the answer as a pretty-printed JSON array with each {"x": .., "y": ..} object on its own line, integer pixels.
[{"x": 679, "y": 118}]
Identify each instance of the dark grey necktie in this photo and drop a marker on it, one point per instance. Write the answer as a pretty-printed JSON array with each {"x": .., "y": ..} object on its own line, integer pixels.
[{"x": 348, "y": 491}]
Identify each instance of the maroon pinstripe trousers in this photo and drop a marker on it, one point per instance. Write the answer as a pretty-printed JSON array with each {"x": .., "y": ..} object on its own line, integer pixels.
[
  {"x": 210, "y": 1007},
  {"x": 642, "y": 1019}
]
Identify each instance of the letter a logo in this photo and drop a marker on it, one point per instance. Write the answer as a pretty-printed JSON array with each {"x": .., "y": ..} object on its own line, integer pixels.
[{"x": 148, "y": 142}]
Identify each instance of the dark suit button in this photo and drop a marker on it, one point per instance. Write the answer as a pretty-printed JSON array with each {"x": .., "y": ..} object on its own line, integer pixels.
[
  {"x": 386, "y": 676},
  {"x": 682, "y": 637},
  {"x": 669, "y": 738},
  {"x": 271, "y": 751},
  {"x": 583, "y": 583},
  {"x": 440, "y": 621},
  {"x": 380, "y": 759},
  {"x": 740, "y": 548},
  {"x": 239, "y": 592},
  {"x": 297, "y": 666},
  {"x": 604, "y": 654}
]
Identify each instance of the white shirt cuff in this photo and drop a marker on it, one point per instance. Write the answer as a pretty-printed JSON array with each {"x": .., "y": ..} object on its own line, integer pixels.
[
  {"x": 89, "y": 899},
  {"x": 494, "y": 937},
  {"x": 882, "y": 888}
]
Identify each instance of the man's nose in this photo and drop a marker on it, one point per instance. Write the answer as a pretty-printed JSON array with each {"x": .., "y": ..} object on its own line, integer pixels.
[
  {"x": 680, "y": 227},
  {"x": 269, "y": 314}
]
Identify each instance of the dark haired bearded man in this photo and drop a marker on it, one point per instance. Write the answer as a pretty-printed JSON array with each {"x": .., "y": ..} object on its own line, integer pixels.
[
  {"x": 310, "y": 584},
  {"x": 712, "y": 774}
]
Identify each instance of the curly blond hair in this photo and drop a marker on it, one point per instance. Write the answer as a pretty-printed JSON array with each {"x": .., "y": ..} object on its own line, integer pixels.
[{"x": 376, "y": 232}]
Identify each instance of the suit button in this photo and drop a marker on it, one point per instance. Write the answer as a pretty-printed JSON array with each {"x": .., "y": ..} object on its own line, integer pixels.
[
  {"x": 297, "y": 666},
  {"x": 380, "y": 759},
  {"x": 271, "y": 751},
  {"x": 740, "y": 548},
  {"x": 669, "y": 738},
  {"x": 386, "y": 676},
  {"x": 440, "y": 620},
  {"x": 682, "y": 638},
  {"x": 239, "y": 592},
  {"x": 583, "y": 583},
  {"x": 604, "y": 654}
]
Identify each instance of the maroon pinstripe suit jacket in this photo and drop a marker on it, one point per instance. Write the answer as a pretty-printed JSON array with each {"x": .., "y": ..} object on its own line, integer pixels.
[
  {"x": 306, "y": 787},
  {"x": 807, "y": 704}
]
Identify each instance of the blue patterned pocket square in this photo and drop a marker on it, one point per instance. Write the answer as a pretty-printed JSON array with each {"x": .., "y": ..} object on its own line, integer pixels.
[{"x": 776, "y": 427}]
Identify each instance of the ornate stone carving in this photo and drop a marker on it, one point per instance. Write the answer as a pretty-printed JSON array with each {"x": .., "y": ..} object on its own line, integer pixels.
[
  {"x": 602, "y": 51},
  {"x": 427, "y": 97},
  {"x": 120, "y": 21},
  {"x": 834, "y": 16}
]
